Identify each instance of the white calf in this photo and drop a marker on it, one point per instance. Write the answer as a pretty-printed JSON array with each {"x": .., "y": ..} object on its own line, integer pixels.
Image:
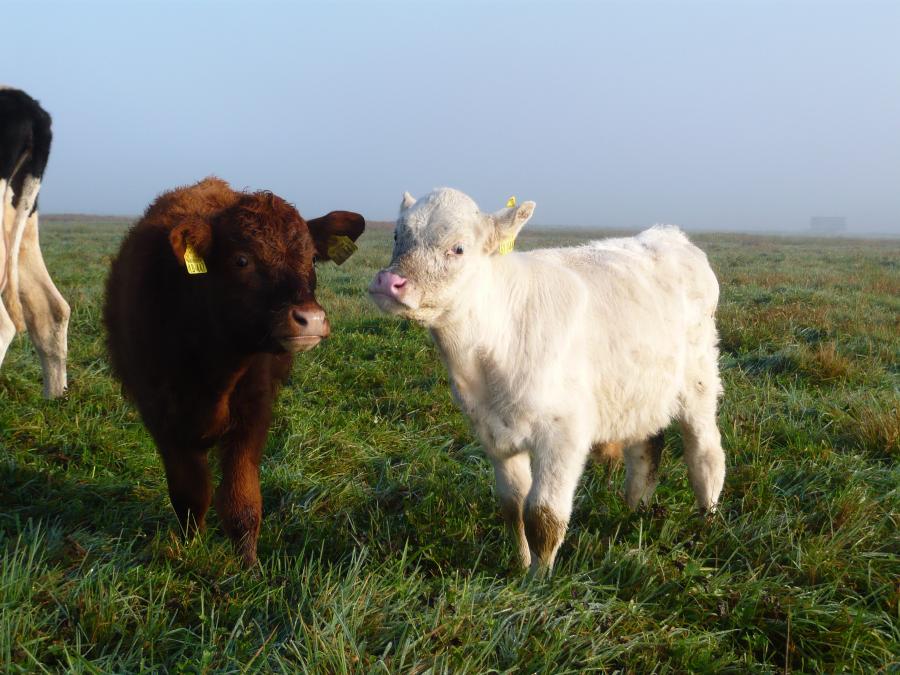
[{"x": 555, "y": 351}]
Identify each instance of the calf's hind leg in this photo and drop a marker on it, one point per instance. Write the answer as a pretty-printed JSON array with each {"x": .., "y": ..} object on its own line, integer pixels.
[
  {"x": 190, "y": 489},
  {"x": 642, "y": 470},
  {"x": 46, "y": 311},
  {"x": 7, "y": 331},
  {"x": 7, "y": 325},
  {"x": 705, "y": 460},
  {"x": 703, "y": 452}
]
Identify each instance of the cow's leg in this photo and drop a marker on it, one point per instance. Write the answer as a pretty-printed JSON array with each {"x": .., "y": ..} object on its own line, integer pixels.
[
  {"x": 556, "y": 466},
  {"x": 513, "y": 476},
  {"x": 190, "y": 487},
  {"x": 7, "y": 331},
  {"x": 11, "y": 162},
  {"x": 7, "y": 325},
  {"x": 7, "y": 217},
  {"x": 31, "y": 185},
  {"x": 703, "y": 452},
  {"x": 46, "y": 311},
  {"x": 4, "y": 238},
  {"x": 642, "y": 470},
  {"x": 705, "y": 459},
  {"x": 238, "y": 498}
]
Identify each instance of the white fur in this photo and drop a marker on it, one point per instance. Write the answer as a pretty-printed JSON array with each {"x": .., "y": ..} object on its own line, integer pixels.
[
  {"x": 30, "y": 188},
  {"x": 552, "y": 351},
  {"x": 30, "y": 297}
]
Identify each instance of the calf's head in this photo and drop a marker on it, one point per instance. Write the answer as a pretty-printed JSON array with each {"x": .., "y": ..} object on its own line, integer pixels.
[
  {"x": 258, "y": 292},
  {"x": 442, "y": 246}
]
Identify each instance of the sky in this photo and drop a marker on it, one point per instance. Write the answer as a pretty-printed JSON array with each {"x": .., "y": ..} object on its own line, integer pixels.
[{"x": 746, "y": 115}]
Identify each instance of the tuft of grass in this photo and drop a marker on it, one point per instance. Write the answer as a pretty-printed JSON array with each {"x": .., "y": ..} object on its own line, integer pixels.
[{"x": 382, "y": 549}]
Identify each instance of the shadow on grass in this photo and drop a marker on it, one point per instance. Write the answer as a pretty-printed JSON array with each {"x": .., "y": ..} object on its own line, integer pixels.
[{"x": 114, "y": 509}]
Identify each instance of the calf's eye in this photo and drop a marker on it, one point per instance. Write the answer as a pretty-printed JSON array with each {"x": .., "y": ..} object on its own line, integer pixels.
[
  {"x": 241, "y": 261},
  {"x": 458, "y": 249}
]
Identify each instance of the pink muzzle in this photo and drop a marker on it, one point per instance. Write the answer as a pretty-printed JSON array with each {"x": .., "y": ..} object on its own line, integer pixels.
[{"x": 389, "y": 284}]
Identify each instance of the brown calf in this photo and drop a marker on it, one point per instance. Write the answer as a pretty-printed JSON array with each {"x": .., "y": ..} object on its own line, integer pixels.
[{"x": 209, "y": 298}]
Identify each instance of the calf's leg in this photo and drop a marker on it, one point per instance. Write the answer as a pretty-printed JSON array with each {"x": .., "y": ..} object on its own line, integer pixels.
[
  {"x": 238, "y": 498},
  {"x": 705, "y": 460},
  {"x": 513, "y": 477},
  {"x": 642, "y": 470},
  {"x": 30, "y": 188},
  {"x": 5, "y": 224},
  {"x": 607, "y": 454},
  {"x": 46, "y": 311},
  {"x": 190, "y": 489},
  {"x": 7, "y": 325},
  {"x": 7, "y": 331},
  {"x": 556, "y": 468},
  {"x": 703, "y": 452}
]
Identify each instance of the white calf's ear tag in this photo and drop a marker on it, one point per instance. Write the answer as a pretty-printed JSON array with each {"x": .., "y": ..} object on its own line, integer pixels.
[
  {"x": 194, "y": 263},
  {"x": 340, "y": 248},
  {"x": 507, "y": 245}
]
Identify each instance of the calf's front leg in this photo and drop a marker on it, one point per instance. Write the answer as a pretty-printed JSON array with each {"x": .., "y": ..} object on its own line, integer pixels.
[
  {"x": 513, "y": 478},
  {"x": 556, "y": 468},
  {"x": 238, "y": 498}
]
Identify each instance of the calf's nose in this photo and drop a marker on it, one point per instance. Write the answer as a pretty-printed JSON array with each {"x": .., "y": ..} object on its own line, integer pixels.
[
  {"x": 388, "y": 283},
  {"x": 311, "y": 321}
]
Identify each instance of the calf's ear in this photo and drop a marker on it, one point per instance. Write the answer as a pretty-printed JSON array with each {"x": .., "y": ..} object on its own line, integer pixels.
[
  {"x": 193, "y": 233},
  {"x": 331, "y": 233},
  {"x": 508, "y": 222},
  {"x": 408, "y": 200}
]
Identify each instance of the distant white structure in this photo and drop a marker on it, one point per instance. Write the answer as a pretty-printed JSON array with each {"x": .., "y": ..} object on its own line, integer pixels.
[{"x": 828, "y": 224}]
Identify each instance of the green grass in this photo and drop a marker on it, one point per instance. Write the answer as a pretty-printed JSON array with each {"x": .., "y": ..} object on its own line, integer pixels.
[{"x": 382, "y": 548}]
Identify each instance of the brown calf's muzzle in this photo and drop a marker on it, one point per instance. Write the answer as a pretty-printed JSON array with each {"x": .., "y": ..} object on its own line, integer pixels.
[{"x": 304, "y": 327}]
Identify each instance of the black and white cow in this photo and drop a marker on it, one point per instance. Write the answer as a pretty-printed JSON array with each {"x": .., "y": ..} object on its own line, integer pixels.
[{"x": 29, "y": 298}]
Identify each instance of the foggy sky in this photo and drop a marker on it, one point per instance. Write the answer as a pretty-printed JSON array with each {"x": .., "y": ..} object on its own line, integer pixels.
[{"x": 747, "y": 115}]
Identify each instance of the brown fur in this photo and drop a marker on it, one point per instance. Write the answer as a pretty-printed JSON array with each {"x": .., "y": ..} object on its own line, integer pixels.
[
  {"x": 544, "y": 532},
  {"x": 202, "y": 356},
  {"x": 608, "y": 454}
]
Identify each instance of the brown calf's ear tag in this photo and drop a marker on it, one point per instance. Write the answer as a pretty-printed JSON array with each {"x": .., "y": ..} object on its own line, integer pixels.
[
  {"x": 340, "y": 248},
  {"x": 193, "y": 262}
]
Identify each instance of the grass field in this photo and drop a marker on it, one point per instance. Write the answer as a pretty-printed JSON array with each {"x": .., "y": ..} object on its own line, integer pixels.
[{"x": 382, "y": 548}]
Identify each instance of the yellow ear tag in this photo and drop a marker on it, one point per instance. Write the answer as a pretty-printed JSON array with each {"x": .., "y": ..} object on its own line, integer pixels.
[
  {"x": 340, "y": 248},
  {"x": 507, "y": 245},
  {"x": 193, "y": 262}
]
